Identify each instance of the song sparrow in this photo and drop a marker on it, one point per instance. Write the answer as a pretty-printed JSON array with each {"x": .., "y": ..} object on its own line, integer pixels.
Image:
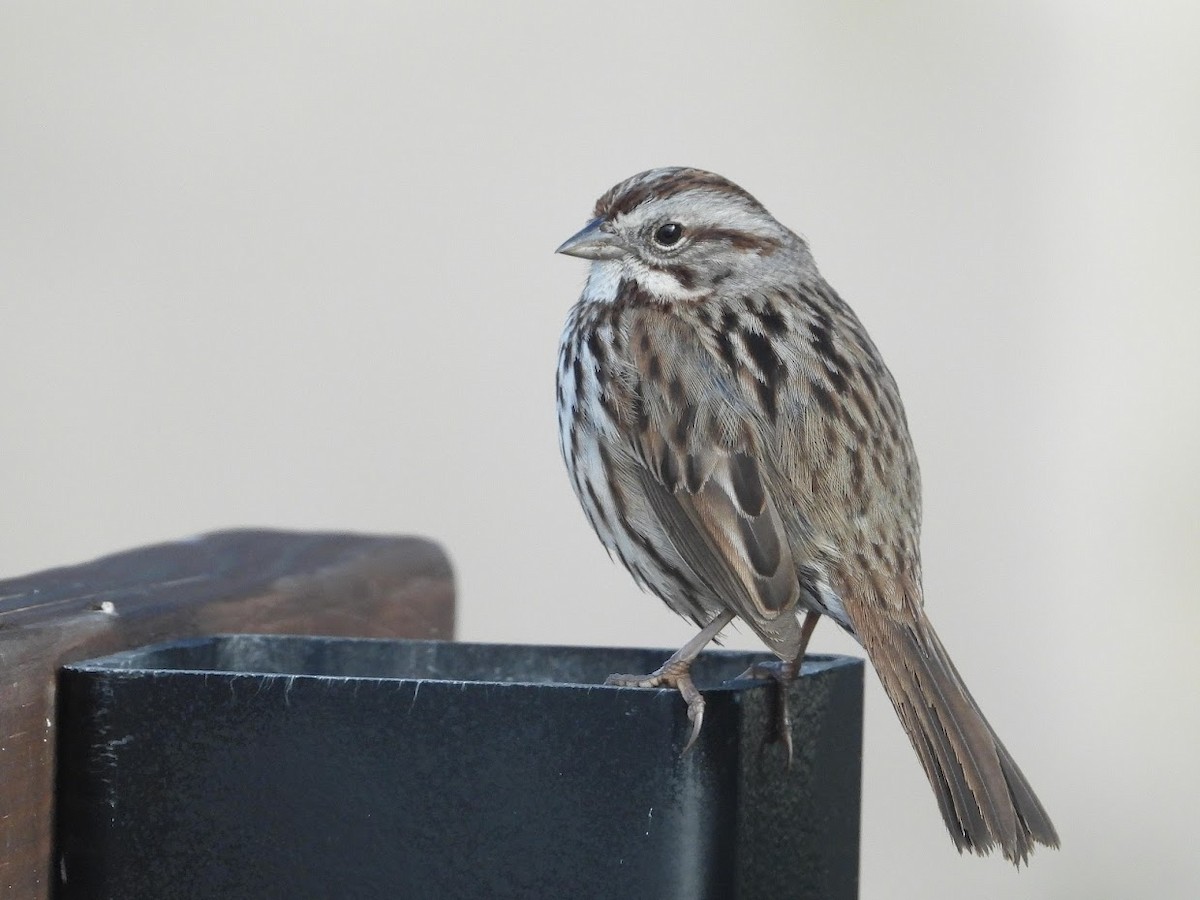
[{"x": 736, "y": 440}]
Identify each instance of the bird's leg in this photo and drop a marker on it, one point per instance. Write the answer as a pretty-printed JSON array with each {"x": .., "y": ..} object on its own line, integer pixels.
[
  {"x": 783, "y": 672},
  {"x": 676, "y": 673}
]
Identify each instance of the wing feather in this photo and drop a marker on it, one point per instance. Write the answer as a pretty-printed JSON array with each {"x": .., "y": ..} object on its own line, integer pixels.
[{"x": 701, "y": 475}]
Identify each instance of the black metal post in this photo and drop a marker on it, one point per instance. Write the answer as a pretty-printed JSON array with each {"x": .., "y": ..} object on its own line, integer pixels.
[{"x": 253, "y": 766}]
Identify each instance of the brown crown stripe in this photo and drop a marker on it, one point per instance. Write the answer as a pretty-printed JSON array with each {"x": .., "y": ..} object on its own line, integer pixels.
[{"x": 632, "y": 193}]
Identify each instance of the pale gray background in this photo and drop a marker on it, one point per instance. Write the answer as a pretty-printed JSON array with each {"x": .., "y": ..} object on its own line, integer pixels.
[{"x": 291, "y": 265}]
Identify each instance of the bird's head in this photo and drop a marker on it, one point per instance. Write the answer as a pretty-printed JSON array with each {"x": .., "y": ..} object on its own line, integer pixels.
[{"x": 682, "y": 233}]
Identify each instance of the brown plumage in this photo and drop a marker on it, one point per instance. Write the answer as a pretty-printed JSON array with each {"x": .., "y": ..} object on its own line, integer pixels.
[{"x": 737, "y": 442}]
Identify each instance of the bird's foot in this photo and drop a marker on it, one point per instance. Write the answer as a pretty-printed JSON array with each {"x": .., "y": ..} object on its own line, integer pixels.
[
  {"x": 783, "y": 672},
  {"x": 673, "y": 674}
]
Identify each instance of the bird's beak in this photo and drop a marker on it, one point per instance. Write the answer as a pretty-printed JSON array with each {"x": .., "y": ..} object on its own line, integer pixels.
[{"x": 593, "y": 243}]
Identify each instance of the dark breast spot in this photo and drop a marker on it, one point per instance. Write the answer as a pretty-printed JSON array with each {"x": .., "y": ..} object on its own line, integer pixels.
[
  {"x": 614, "y": 484},
  {"x": 597, "y": 348},
  {"x": 836, "y": 365},
  {"x": 577, "y": 372},
  {"x": 771, "y": 370},
  {"x": 599, "y": 507},
  {"x": 768, "y": 399},
  {"x": 725, "y": 347},
  {"x": 773, "y": 321},
  {"x": 766, "y": 360}
]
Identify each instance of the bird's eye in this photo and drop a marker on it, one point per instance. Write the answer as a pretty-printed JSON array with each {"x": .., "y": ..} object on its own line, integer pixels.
[{"x": 668, "y": 235}]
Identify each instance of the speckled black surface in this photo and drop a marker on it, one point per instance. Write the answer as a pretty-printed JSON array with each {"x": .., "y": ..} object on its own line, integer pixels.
[{"x": 249, "y": 766}]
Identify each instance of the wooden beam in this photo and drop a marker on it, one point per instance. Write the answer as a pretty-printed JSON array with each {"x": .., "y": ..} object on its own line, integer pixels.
[{"x": 228, "y": 582}]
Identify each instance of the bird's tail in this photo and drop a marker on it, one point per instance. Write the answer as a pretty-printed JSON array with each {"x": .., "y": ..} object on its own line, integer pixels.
[{"x": 985, "y": 800}]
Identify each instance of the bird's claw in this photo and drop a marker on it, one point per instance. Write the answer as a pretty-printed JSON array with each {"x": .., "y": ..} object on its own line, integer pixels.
[
  {"x": 671, "y": 675},
  {"x": 695, "y": 713},
  {"x": 783, "y": 673}
]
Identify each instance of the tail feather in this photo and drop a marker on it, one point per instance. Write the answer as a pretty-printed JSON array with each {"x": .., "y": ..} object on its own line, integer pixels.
[
  {"x": 1032, "y": 815},
  {"x": 935, "y": 741},
  {"x": 984, "y": 799}
]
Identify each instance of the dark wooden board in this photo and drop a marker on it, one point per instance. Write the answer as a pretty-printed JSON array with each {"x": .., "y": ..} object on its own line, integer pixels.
[{"x": 228, "y": 582}]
